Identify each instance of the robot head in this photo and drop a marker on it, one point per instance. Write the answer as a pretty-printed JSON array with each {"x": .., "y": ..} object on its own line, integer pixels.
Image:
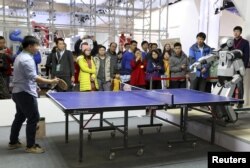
[
  {"x": 226, "y": 43},
  {"x": 230, "y": 42}
]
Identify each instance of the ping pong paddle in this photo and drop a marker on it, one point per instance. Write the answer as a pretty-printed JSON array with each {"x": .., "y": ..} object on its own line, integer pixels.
[{"x": 62, "y": 84}]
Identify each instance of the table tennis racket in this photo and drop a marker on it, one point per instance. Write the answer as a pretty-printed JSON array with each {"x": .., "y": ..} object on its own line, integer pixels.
[{"x": 62, "y": 84}]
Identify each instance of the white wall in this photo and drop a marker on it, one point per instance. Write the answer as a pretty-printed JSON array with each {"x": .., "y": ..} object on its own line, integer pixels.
[{"x": 228, "y": 21}]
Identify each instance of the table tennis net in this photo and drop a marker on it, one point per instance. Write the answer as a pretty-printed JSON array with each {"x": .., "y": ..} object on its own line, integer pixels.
[
  {"x": 128, "y": 87},
  {"x": 164, "y": 97}
]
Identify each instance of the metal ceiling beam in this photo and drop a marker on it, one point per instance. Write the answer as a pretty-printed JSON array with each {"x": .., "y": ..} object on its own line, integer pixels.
[{"x": 44, "y": 6}]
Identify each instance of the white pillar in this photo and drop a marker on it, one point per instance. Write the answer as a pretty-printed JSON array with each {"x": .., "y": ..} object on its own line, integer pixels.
[
  {"x": 213, "y": 31},
  {"x": 209, "y": 23},
  {"x": 203, "y": 18}
]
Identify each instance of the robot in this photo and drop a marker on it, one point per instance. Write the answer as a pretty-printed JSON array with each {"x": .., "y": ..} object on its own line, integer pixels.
[{"x": 230, "y": 72}]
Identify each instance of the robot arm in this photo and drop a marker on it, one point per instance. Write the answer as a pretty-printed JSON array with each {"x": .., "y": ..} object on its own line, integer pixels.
[
  {"x": 204, "y": 60},
  {"x": 231, "y": 63},
  {"x": 236, "y": 78},
  {"x": 236, "y": 56},
  {"x": 227, "y": 58},
  {"x": 238, "y": 62}
]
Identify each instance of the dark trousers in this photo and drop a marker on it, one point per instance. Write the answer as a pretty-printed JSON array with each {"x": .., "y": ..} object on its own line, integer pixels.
[
  {"x": 177, "y": 84},
  {"x": 198, "y": 84},
  {"x": 4, "y": 89},
  {"x": 104, "y": 86},
  {"x": 156, "y": 84},
  {"x": 209, "y": 86},
  {"x": 240, "y": 87},
  {"x": 26, "y": 108}
]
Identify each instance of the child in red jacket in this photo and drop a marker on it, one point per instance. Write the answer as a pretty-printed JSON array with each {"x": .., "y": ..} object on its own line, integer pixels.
[{"x": 138, "y": 66}]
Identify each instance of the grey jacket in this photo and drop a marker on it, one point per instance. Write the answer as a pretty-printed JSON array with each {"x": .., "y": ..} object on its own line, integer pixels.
[
  {"x": 113, "y": 57},
  {"x": 175, "y": 65},
  {"x": 109, "y": 67}
]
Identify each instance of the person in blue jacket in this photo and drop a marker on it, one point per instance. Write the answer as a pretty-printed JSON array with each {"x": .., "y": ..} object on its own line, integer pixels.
[
  {"x": 127, "y": 57},
  {"x": 196, "y": 51}
]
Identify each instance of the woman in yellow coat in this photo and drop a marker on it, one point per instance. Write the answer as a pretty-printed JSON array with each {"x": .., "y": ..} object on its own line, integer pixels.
[{"x": 87, "y": 74}]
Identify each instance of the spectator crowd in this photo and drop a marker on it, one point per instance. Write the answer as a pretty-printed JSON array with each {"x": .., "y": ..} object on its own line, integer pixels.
[{"x": 99, "y": 68}]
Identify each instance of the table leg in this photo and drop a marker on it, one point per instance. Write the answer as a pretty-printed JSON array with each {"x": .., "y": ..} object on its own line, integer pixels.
[
  {"x": 185, "y": 117},
  {"x": 81, "y": 138},
  {"x": 213, "y": 130},
  {"x": 101, "y": 119},
  {"x": 125, "y": 137},
  {"x": 151, "y": 124},
  {"x": 66, "y": 127},
  {"x": 125, "y": 145},
  {"x": 183, "y": 125},
  {"x": 181, "y": 120}
]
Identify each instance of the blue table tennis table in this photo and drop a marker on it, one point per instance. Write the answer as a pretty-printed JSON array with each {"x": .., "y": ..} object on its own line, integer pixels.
[{"x": 82, "y": 103}]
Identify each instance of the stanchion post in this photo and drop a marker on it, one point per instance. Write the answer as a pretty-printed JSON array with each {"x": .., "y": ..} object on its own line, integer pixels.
[{"x": 151, "y": 83}]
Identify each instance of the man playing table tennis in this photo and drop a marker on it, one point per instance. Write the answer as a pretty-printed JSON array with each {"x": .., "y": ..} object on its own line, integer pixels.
[{"x": 25, "y": 95}]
